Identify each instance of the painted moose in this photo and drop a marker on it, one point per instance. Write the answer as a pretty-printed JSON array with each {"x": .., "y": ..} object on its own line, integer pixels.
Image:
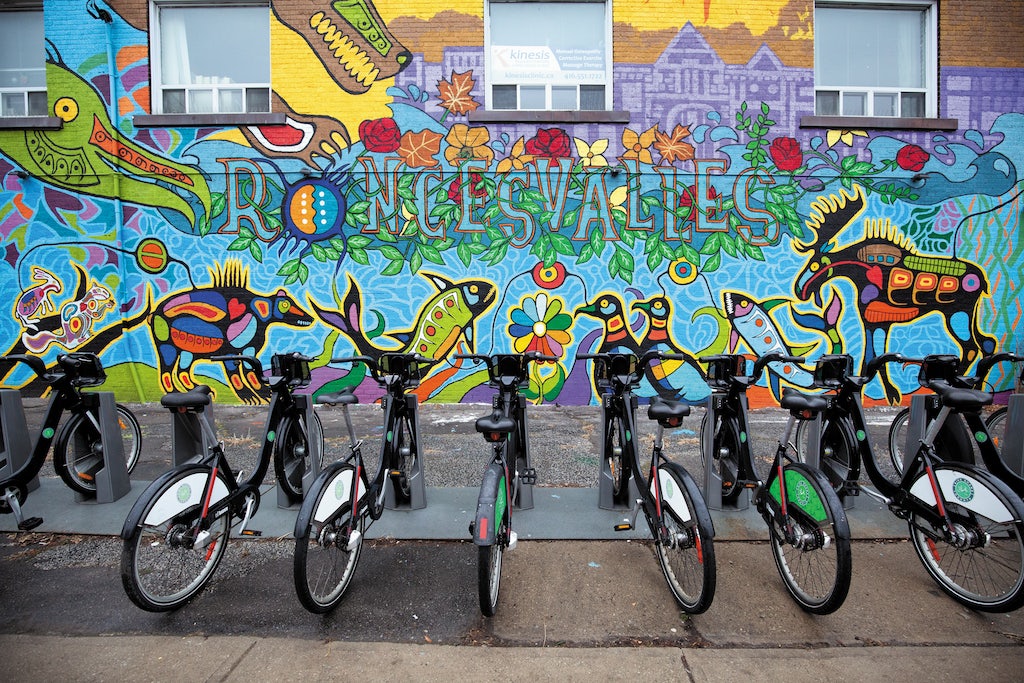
[{"x": 895, "y": 284}]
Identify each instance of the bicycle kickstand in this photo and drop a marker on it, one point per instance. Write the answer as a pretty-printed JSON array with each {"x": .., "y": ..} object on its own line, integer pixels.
[
  {"x": 630, "y": 523},
  {"x": 10, "y": 498},
  {"x": 250, "y": 505}
]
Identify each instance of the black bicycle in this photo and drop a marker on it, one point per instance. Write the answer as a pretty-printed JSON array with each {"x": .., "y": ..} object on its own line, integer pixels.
[
  {"x": 995, "y": 423},
  {"x": 965, "y": 523},
  {"x": 177, "y": 531},
  {"x": 77, "y": 443},
  {"x": 345, "y": 500},
  {"x": 509, "y": 469},
  {"x": 808, "y": 530},
  {"x": 673, "y": 506}
]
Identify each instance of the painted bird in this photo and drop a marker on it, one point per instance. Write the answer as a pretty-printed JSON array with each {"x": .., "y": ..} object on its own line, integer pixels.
[{"x": 672, "y": 379}]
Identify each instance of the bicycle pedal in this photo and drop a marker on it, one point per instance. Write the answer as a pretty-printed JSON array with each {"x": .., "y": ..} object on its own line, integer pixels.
[
  {"x": 529, "y": 476},
  {"x": 625, "y": 526},
  {"x": 86, "y": 477},
  {"x": 251, "y": 532},
  {"x": 30, "y": 523}
]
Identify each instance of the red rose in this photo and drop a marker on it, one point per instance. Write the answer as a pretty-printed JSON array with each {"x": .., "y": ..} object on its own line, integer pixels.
[
  {"x": 786, "y": 154},
  {"x": 912, "y": 158},
  {"x": 475, "y": 189},
  {"x": 549, "y": 142},
  {"x": 380, "y": 135}
]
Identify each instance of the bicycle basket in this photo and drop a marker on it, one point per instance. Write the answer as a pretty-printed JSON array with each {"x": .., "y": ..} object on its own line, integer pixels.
[
  {"x": 721, "y": 369},
  {"x": 831, "y": 370},
  {"x": 938, "y": 367},
  {"x": 83, "y": 369},
  {"x": 293, "y": 370}
]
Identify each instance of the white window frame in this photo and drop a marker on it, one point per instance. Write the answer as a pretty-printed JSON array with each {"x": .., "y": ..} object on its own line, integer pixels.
[
  {"x": 24, "y": 92},
  {"x": 930, "y": 60},
  {"x": 489, "y": 77},
  {"x": 157, "y": 69}
]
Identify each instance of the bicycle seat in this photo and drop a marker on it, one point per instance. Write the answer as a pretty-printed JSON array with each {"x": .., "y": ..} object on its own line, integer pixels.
[
  {"x": 667, "y": 413},
  {"x": 960, "y": 398},
  {"x": 193, "y": 398},
  {"x": 799, "y": 404},
  {"x": 344, "y": 397},
  {"x": 495, "y": 423}
]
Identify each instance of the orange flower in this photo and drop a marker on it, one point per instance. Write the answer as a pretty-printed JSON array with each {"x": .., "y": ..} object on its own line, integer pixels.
[
  {"x": 516, "y": 160},
  {"x": 638, "y": 146},
  {"x": 455, "y": 96},
  {"x": 418, "y": 149},
  {"x": 468, "y": 144},
  {"x": 672, "y": 147}
]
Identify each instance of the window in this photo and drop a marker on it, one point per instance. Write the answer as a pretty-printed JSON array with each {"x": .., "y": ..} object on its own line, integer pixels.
[
  {"x": 549, "y": 55},
  {"x": 210, "y": 58},
  {"x": 874, "y": 59},
  {"x": 22, "y": 63}
]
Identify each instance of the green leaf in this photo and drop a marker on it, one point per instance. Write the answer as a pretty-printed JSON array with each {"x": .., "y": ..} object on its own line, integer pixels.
[
  {"x": 393, "y": 268},
  {"x": 360, "y": 256},
  {"x": 562, "y": 244},
  {"x": 713, "y": 263},
  {"x": 391, "y": 253},
  {"x": 255, "y": 252},
  {"x": 240, "y": 244},
  {"x": 354, "y": 242},
  {"x": 430, "y": 253},
  {"x": 465, "y": 253},
  {"x": 289, "y": 267}
]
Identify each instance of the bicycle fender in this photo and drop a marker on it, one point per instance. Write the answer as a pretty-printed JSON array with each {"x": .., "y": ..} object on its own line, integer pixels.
[
  {"x": 673, "y": 498},
  {"x": 972, "y": 488},
  {"x": 329, "y": 491},
  {"x": 490, "y": 506},
  {"x": 188, "y": 493}
]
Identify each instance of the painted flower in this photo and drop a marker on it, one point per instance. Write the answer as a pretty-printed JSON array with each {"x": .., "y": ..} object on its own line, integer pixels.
[
  {"x": 689, "y": 206},
  {"x": 912, "y": 158},
  {"x": 592, "y": 155},
  {"x": 380, "y": 135},
  {"x": 672, "y": 146},
  {"x": 549, "y": 278},
  {"x": 638, "y": 146},
  {"x": 616, "y": 202},
  {"x": 549, "y": 142},
  {"x": 539, "y": 324},
  {"x": 786, "y": 154},
  {"x": 468, "y": 144},
  {"x": 476, "y": 188},
  {"x": 844, "y": 136},
  {"x": 455, "y": 95},
  {"x": 517, "y": 158}
]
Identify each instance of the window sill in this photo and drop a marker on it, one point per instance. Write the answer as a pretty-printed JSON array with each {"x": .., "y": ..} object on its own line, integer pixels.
[
  {"x": 878, "y": 122},
  {"x": 207, "y": 120},
  {"x": 31, "y": 122},
  {"x": 515, "y": 116}
]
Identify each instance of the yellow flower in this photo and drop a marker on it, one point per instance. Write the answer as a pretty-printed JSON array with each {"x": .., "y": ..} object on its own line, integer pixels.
[
  {"x": 468, "y": 144},
  {"x": 846, "y": 136},
  {"x": 617, "y": 199},
  {"x": 516, "y": 160},
  {"x": 638, "y": 146},
  {"x": 592, "y": 155}
]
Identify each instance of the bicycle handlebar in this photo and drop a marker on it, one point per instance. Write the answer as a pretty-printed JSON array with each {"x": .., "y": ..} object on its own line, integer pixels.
[
  {"x": 409, "y": 370},
  {"x": 763, "y": 361},
  {"x": 34, "y": 362},
  {"x": 251, "y": 361},
  {"x": 876, "y": 363},
  {"x": 493, "y": 361}
]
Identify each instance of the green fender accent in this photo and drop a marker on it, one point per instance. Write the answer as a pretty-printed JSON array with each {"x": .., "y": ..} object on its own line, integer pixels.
[{"x": 801, "y": 493}]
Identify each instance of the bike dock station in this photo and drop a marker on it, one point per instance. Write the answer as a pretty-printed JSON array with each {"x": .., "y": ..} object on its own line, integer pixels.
[
  {"x": 712, "y": 479},
  {"x": 417, "y": 485}
]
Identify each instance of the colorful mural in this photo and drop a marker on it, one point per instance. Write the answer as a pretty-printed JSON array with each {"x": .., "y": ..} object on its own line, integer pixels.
[{"x": 383, "y": 217}]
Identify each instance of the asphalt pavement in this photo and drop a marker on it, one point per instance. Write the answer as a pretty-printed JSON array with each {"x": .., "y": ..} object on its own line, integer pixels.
[{"x": 579, "y": 601}]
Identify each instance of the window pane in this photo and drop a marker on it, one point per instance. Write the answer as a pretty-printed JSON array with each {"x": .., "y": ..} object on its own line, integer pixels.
[
  {"x": 214, "y": 45},
  {"x": 200, "y": 101},
  {"x": 855, "y": 104},
  {"x": 230, "y": 101},
  {"x": 869, "y": 47},
  {"x": 563, "y": 97},
  {"x": 257, "y": 99},
  {"x": 912, "y": 104},
  {"x": 826, "y": 103},
  {"x": 885, "y": 104},
  {"x": 37, "y": 104},
  {"x": 592, "y": 97},
  {"x": 22, "y": 50},
  {"x": 12, "y": 104},
  {"x": 532, "y": 97},
  {"x": 503, "y": 97},
  {"x": 174, "y": 101}
]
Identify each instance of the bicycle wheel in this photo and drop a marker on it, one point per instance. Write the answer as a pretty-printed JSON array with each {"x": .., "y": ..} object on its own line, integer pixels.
[
  {"x": 325, "y": 559},
  {"x": 404, "y": 454},
  {"x": 838, "y": 447},
  {"x": 982, "y": 567},
  {"x": 492, "y": 513},
  {"x": 293, "y": 454},
  {"x": 954, "y": 443},
  {"x": 613, "y": 452},
  {"x": 688, "y": 557},
  {"x": 995, "y": 424},
  {"x": 726, "y": 451},
  {"x": 489, "y": 569},
  {"x": 78, "y": 450},
  {"x": 162, "y": 567},
  {"x": 815, "y": 563}
]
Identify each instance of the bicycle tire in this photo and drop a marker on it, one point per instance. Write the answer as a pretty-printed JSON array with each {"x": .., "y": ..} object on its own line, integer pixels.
[
  {"x": 404, "y": 454},
  {"x": 995, "y": 425},
  {"x": 78, "y": 449},
  {"x": 954, "y": 443},
  {"x": 816, "y": 573},
  {"x": 323, "y": 570},
  {"x": 160, "y": 572},
  {"x": 614, "y": 451},
  {"x": 689, "y": 562},
  {"x": 838, "y": 453},
  {"x": 490, "y": 555},
  {"x": 988, "y": 577},
  {"x": 293, "y": 453},
  {"x": 726, "y": 451}
]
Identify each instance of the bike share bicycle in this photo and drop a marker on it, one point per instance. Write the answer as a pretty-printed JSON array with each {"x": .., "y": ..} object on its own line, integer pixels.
[
  {"x": 965, "y": 524},
  {"x": 999, "y": 421},
  {"x": 509, "y": 478},
  {"x": 177, "y": 531},
  {"x": 673, "y": 506},
  {"x": 93, "y": 451},
  {"x": 808, "y": 530},
  {"x": 344, "y": 500}
]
